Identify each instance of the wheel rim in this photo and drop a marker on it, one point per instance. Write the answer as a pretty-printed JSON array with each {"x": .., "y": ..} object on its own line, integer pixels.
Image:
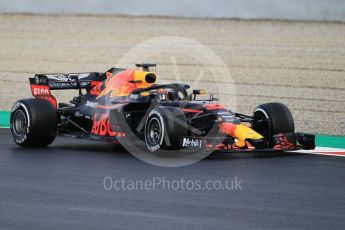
[
  {"x": 154, "y": 132},
  {"x": 263, "y": 128},
  {"x": 19, "y": 123}
]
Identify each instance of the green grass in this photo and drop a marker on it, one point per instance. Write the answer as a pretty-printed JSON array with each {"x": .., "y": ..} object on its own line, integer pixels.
[
  {"x": 4, "y": 119},
  {"x": 330, "y": 141}
]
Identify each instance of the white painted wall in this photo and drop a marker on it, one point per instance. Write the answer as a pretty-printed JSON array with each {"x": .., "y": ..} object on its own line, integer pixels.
[{"x": 248, "y": 9}]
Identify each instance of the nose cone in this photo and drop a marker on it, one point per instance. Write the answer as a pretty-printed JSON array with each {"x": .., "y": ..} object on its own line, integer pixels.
[
  {"x": 258, "y": 143},
  {"x": 243, "y": 134}
]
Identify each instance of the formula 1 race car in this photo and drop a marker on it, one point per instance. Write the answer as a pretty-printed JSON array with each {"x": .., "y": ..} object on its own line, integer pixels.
[{"x": 128, "y": 104}]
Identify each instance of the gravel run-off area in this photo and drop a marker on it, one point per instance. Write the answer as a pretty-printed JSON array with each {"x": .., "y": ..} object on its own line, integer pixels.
[{"x": 301, "y": 64}]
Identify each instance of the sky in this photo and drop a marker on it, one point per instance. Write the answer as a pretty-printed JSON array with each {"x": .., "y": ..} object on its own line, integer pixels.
[{"x": 329, "y": 10}]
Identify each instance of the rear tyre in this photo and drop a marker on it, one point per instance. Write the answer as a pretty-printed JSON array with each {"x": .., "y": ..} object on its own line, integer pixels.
[
  {"x": 164, "y": 127},
  {"x": 33, "y": 123},
  {"x": 271, "y": 119}
]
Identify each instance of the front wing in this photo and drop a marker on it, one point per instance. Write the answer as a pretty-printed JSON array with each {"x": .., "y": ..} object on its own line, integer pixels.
[{"x": 299, "y": 141}]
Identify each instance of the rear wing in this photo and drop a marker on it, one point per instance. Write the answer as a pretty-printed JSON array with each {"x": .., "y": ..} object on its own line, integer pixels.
[
  {"x": 65, "y": 81},
  {"x": 42, "y": 84}
]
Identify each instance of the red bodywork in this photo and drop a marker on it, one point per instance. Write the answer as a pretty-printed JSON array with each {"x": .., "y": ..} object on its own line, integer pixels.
[{"x": 43, "y": 92}]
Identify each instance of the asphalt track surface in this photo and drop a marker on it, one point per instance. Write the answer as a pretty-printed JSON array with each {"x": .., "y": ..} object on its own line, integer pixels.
[{"x": 61, "y": 187}]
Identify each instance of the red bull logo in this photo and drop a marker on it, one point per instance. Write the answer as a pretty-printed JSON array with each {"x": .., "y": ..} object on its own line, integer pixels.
[
  {"x": 123, "y": 83},
  {"x": 119, "y": 84}
]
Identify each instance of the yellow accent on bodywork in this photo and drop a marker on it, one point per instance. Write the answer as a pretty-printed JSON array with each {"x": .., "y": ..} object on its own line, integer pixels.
[
  {"x": 243, "y": 132},
  {"x": 140, "y": 76},
  {"x": 145, "y": 94}
]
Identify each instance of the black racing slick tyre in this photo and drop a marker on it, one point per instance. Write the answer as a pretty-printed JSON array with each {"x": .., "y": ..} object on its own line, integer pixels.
[
  {"x": 33, "y": 123},
  {"x": 164, "y": 127},
  {"x": 271, "y": 119}
]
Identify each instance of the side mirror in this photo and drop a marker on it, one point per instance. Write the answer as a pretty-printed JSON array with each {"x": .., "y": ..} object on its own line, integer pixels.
[{"x": 199, "y": 91}]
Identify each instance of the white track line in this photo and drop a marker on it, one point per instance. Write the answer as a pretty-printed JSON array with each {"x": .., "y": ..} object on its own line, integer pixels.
[{"x": 325, "y": 151}]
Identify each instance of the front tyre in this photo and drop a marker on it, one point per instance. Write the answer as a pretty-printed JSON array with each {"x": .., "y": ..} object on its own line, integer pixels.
[
  {"x": 272, "y": 119},
  {"x": 164, "y": 127},
  {"x": 33, "y": 123}
]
